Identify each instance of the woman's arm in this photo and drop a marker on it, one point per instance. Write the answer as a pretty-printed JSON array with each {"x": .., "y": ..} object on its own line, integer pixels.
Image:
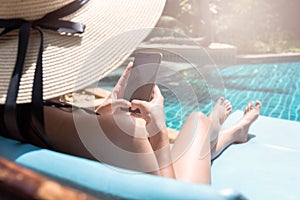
[
  {"x": 161, "y": 148},
  {"x": 153, "y": 113}
]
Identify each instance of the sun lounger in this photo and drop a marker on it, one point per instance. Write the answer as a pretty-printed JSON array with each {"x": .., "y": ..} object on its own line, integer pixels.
[
  {"x": 266, "y": 167},
  {"x": 104, "y": 181}
]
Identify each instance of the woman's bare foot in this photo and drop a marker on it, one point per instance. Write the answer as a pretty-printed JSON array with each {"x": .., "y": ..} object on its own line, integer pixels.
[
  {"x": 237, "y": 133},
  {"x": 219, "y": 114},
  {"x": 251, "y": 113}
]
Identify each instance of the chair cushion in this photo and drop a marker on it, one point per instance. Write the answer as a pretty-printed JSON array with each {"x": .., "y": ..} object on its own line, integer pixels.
[
  {"x": 266, "y": 167},
  {"x": 102, "y": 180}
]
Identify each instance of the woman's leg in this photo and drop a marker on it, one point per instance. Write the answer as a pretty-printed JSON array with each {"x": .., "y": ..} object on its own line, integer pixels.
[
  {"x": 191, "y": 151},
  {"x": 237, "y": 133}
]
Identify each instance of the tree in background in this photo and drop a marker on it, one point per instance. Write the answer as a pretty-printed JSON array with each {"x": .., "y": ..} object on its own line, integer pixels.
[
  {"x": 254, "y": 26},
  {"x": 188, "y": 17}
]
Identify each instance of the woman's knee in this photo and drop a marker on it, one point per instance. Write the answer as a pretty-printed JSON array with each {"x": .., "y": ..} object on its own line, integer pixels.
[
  {"x": 199, "y": 115},
  {"x": 200, "y": 122}
]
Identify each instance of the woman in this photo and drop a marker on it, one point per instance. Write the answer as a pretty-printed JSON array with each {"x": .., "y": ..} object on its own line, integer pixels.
[
  {"x": 37, "y": 65},
  {"x": 200, "y": 139}
]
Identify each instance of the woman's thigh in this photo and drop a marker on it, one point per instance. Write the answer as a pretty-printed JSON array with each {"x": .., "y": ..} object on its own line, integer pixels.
[{"x": 112, "y": 139}]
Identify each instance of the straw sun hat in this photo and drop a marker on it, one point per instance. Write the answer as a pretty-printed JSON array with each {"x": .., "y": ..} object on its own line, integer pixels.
[{"x": 107, "y": 31}]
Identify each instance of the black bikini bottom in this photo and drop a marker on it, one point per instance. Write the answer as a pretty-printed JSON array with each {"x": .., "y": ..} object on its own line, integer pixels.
[{"x": 29, "y": 133}]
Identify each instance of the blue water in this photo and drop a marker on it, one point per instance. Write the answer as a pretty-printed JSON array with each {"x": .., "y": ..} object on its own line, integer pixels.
[{"x": 277, "y": 86}]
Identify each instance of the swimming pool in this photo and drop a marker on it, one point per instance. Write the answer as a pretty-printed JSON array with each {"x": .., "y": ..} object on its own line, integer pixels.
[{"x": 277, "y": 86}]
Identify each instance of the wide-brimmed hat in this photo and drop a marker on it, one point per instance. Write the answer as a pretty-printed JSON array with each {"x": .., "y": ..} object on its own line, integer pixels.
[{"x": 113, "y": 29}]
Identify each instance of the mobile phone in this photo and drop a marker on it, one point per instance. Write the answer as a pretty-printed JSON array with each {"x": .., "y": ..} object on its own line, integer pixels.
[{"x": 142, "y": 77}]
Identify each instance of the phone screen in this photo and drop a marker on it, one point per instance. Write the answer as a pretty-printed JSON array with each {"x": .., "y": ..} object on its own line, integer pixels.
[{"x": 142, "y": 76}]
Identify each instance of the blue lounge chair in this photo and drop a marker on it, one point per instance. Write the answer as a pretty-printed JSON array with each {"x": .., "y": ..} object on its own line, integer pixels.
[
  {"x": 266, "y": 167},
  {"x": 102, "y": 180}
]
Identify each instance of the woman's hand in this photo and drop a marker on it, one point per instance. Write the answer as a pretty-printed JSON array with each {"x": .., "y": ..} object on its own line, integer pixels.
[
  {"x": 115, "y": 99},
  {"x": 153, "y": 113},
  {"x": 110, "y": 106},
  {"x": 119, "y": 89}
]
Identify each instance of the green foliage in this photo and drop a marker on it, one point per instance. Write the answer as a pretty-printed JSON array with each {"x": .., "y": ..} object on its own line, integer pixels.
[
  {"x": 253, "y": 26},
  {"x": 182, "y": 16},
  {"x": 293, "y": 46}
]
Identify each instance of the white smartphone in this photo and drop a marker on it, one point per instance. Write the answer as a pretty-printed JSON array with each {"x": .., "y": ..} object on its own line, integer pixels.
[{"x": 142, "y": 77}]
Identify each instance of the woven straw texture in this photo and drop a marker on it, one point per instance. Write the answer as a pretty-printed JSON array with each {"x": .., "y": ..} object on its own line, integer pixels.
[{"x": 114, "y": 28}]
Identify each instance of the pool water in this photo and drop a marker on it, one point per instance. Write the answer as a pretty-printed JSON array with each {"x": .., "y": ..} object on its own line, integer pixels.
[{"x": 277, "y": 86}]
